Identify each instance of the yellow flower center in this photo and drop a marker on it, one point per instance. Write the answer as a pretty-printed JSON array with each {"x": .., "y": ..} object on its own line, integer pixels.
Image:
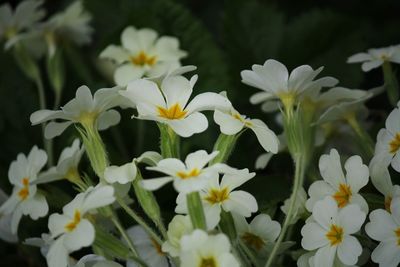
[
  {"x": 394, "y": 145},
  {"x": 24, "y": 192},
  {"x": 189, "y": 174},
  {"x": 69, "y": 227},
  {"x": 142, "y": 59},
  {"x": 208, "y": 262},
  {"x": 335, "y": 235},
  {"x": 217, "y": 196},
  {"x": 288, "y": 99},
  {"x": 175, "y": 112},
  {"x": 343, "y": 195},
  {"x": 388, "y": 202},
  {"x": 253, "y": 240},
  {"x": 72, "y": 175},
  {"x": 397, "y": 233}
]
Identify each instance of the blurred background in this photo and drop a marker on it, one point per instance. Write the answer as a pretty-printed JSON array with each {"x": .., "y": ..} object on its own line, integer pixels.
[{"x": 221, "y": 38}]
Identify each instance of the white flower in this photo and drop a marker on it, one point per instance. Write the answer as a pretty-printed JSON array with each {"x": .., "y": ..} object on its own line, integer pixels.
[
  {"x": 385, "y": 227},
  {"x": 299, "y": 206},
  {"x": 330, "y": 233},
  {"x": 343, "y": 189},
  {"x": 93, "y": 260},
  {"x": 179, "y": 226},
  {"x": 232, "y": 122},
  {"x": 43, "y": 242},
  {"x": 84, "y": 109},
  {"x": 273, "y": 78},
  {"x": 148, "y": 249},
  {"x": 25, "y": 15},
  {"x": 5, "y": 223},
  {"x": 71, "y": 230},
  {"x": 25, "y": 200},
  {"x": 121, "y": 174},
  {"x": 260, "y": 234},
  {"x": 67, "y": 165},
  {"x": 380, "y": 178},
  {"x": 307, "y": 260},
  {"x": 193, "y": 175},
  {"x": 388, "y": 140},
  {"x": 169, "y": 103},
  {"x": 143, "y": 54},
  {"x": 375, "y": 57},
  {"x": 200, "y": 249},
  {"x": 217, "y": 196}
]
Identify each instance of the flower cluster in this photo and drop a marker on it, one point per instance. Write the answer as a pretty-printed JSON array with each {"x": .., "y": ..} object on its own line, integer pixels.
[{"x": 217, "y": 220}]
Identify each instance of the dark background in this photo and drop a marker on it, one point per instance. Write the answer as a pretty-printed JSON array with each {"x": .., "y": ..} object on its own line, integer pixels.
[{"x": 222, "y": 38}]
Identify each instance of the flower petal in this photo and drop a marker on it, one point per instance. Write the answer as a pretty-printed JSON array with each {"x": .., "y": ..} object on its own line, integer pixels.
[
  {"x": 156, "y": 183},
  {"x": 381, "y": 226},
  {"x": 177, "y": 89},
  {"x": 127, "y": 73},
  {"x": 331, "y": 169},
  {"x": 314, "y": 236},
  {"x": 192, "y": 124},
  {"x": 208, "y": 101},
  {"x": 115, "y": 53},
  {"x": 227, "y": 123},
  {"x": 54, "y": 129},
  {"x": 121, "y": 174},
  {"x": 82, "y": 236},
  {"x": 267, "y": 138},
  {"x": 241, "y": 202}
]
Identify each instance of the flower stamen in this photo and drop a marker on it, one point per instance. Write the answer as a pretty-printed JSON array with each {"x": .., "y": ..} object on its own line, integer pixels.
[
  {"x": 343, "y": 195},
  {"x": 217, "y": 196},
  {"x": 142, "y": 59},
  {"x": 394, "y": 145},
  {"x": 189, "y": 174},
  {"x": 335, "y": 235},
  {"x": 253, "y": 241},
  {"x": 69, "y": 227},
  {"x": 24, "y": 192},
  {"x": 208, "y": 262},
  {"x": 175, "y": 112}
]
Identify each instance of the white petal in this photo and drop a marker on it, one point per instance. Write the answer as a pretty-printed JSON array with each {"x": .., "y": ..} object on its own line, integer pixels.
[
  {"x": 387, "y": 254},
  {"x": 267, "y": 138},
  {"x": 115, "y": 53},
  {"x": 359, "y": 57},
  {"x": 228, "y": 260},
  {"x": 392, "y": 121},
  {"x": 381, "y": 225},
  {"x": 54, "y": 129},
  {"x": 46, "y": 115},
  {"x": 236, "y": 179},
  {"x": 325, "y": 256},
  {"x": 213, "y": 215},
  {"x": 395, "y": 209},
  {"x": 156, "y": 183},
  {"x": 265, "y": 227},
  {"x": 331, "y": 169},
  {"x": 208, "y": 101},
  {"x": 36, "y": 207},
  {"x": 380, "y": 176},
  {"x": 192, "y": 124},
  {"x": 121, "y": 174},
  {"x": 100, "y": 196},
  {"x": 349, "y": 250},
  {"x": 58, "y": 254},
  {"x": 261, "y": 97},
  {"x": 369, "y": 65},
  {"x": 199, "y": 159},
  {"x": 358, "y": 200},
  {"x": 318, "y": 191},
  {"x": 15, "y": 219},
  {"x": 107, "y": 119},
  {"x": 168, "y": 49},
  {"x": 314, "y": 236},
  {"x": 127, "y": 73},
  {"x": 129, "y": 39},
  {"x": 351, "y": 218},
  {"x": 177, "y": 89},
  {"x": 82, "y": 236},
  {"x": 57, "y": 224},
  {"x": 325, "y": 211},
  {"x": 263, "y": 160},
  {"x": 241, "y": 202},
  {"x": 228, "y": 124},
  {"x": 357, "y": 173}
]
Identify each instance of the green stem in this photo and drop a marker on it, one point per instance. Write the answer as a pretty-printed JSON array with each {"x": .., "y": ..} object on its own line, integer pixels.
[
  {"x": 196, "y": 212},
  {"x": 225, "y": 144},
  {"x": 366, "y": 142},
  {"x": 169, "y": 142},
  {"x": 249, "y": 254},
  {"x": 228, "y": 225},
  {"x": 47, "y": 143},
  {"x": 300, "y": 163},
  {"x": 391, "y": 84},
  {"x": 140, "y": 221},
  {"x": 124, "y": 235}
]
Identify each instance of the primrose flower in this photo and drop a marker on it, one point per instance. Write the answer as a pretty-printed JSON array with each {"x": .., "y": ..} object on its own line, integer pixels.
[
  {"x": 260, "y": 234},
  {"x": 25, "y": 199},
  {"x": 143, "y": 54},
  {"x": 71, "y": 230},
  {"x": 217, "y": 196},
  {"x": 179, "y": 226},
  {"x": 121, "y": 174},
  {"x": 201, "y": 249},
  {"x": 330, "y": 233},
  {"x": 148, "y": 249},
  {"x": 232, "y": 122},
  {"x": 5, "y": 223},
  {"x": 192, "y": 175},
  {"x": 26, "y": 14},
  {"x": 169, "y": 103},
  {"x": 67, "y": 165},
  {"x": 85, "y": 109},
  {"x": 343, "y": 189},
  {"x": 375, "y": 57},
  {"x": 274, "y": 79},
  {"x": 380, "y": 178},
  {"x": 388, "y": 140},
  {"x": 307, "y": 260},
  {"x": 385, "y": 228}
]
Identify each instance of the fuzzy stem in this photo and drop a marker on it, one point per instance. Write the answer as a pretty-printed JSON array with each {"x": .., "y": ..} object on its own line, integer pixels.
[
  {"x": 196, "y": 211},
  {"x": 300, "y": 164},
  {"x": 391, "y": 84},
  {"x": 366, "y": 142}
]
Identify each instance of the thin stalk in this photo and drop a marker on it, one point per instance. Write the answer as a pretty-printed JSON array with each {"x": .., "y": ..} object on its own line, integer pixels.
[
  {"x": 391, "y": 84},
  {"x": 140, "y": 221},
  {"x": 196, "y": 211},
  {"x": 298, "y": 180},
  {"x": 249, "y": 254},
  {"x": 124, "y": 235},
  {"x": 47, "y": 143},
  {"x": 367, "y": 144}
]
